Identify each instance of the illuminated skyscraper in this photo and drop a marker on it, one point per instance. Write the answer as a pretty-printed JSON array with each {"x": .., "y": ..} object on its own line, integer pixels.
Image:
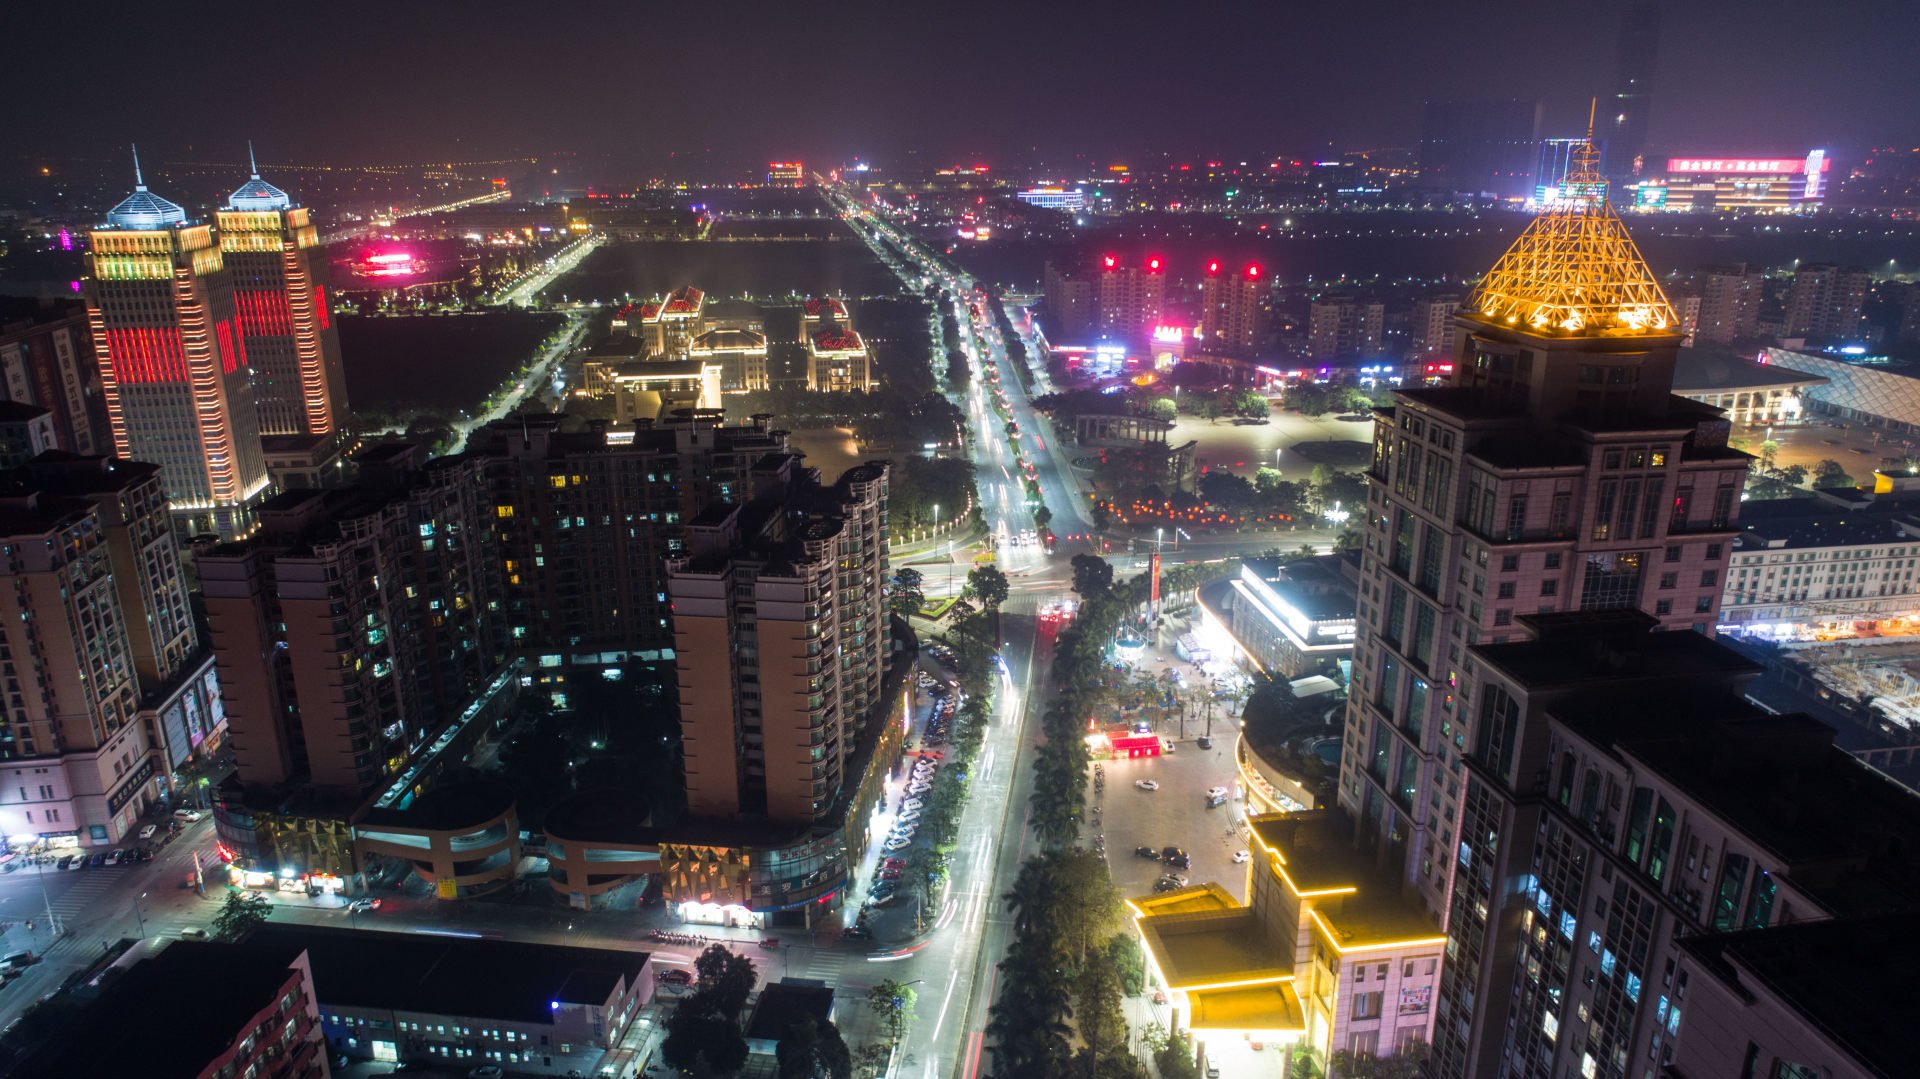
[
  {"x": 1131, "y": 297},
  {"x": 173, "y": 361},
  {"x": 1557, "y": 473},
  {"x": 280, "y": 289}
]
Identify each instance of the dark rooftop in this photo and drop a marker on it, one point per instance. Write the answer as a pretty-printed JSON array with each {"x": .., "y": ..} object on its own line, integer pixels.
[
  {"x": 482, "y": 978},
  {"x": 784, "y": 1004},
  {"x": 468, "y": 804},
  {"x": 1606, "y": 647},
  {"x": 1848, "y": 977},
  {"x": 606, "y": 814},
  {"x": 136, "y": 1025},
  {"x": 1812, "y": 522},
  {"x": 1699, "y": 370}
]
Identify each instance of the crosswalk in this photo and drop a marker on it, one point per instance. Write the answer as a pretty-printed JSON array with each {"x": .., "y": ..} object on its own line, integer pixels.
[
  {"x": 825, "y": 964},
  {"x": 80, "y": 894}
]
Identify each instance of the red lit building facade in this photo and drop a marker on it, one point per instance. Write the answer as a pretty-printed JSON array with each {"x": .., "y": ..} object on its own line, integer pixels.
[
  {"x": 174, "y": 371},
  {"x": 269, "y": 246}
]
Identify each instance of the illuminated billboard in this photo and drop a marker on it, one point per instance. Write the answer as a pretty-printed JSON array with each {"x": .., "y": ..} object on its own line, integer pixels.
[{"x": 1749, "y": 165}]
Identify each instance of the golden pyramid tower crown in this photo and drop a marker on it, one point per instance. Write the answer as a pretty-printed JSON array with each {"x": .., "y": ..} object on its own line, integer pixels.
[{"x": 1574, "y": 272}]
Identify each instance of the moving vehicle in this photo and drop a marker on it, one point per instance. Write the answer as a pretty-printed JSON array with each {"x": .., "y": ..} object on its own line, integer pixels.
[
  {"x": 1146, "y": 784},
  {"x": 1174, "y": 856},
  {"x": 1240, "y": 857},
  {"x": 676, "y": 977},
  {"x": 1147, "y": 852},
  {"x": 188, "y": 815},
  {"x": 1203, "y": 743},
  {"x": 147, "y": 832}
]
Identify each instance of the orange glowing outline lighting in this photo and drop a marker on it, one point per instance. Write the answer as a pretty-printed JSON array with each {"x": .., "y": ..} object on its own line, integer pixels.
[{"x": 1417, "y": 942}]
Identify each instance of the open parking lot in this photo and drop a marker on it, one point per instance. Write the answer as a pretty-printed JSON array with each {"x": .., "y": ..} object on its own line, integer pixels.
[{"x": 1175, "y": 815}]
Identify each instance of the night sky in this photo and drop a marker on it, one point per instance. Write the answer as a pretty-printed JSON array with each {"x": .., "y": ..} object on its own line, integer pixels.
[{"x": 737, "y": 85}]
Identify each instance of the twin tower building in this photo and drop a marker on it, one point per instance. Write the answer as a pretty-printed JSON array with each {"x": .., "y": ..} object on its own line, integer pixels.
[{"x": 211, "y": 337}]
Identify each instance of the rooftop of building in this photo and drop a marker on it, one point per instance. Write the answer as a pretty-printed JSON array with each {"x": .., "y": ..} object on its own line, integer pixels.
[
  {"x": 1796, "y": 523},
  {"x": 683, "y": 301},
  {"x": 482, "y": 978},
  {"x": 302, "y": 443},
  {"x": 68, "y": 473},
  {"x": 1271, "y": 1006},
  {"x": 21, "y": 412},
  {"x": 144, "y": 210},
  {"x": 257, "y": 194},
  {"x": 1843, "y": 831},
  {"x": 833, "y": 338},
  {"x": 1850, "y": 978},
  {"x": 656, "y": 370},
  {"x": 1610, "y": 647},
  {"x": 824, "y": 307},
  {"x": 1701, "y": 370},
  {"x": 21, "y": 314},
  {"x": 135, "y": 1025},
  {"x": 451, "y": 806},
  {"x": 32, "y": 513},
  {"x": 787, "y": 1003},
  {"x": 1315, "y": 587},
  {"x": 1213, "y": 946},
  {"x": 616, "y": 348},
  {"x": 607, "y": 814},
  {"x": 1358, "y": 904},
  {"x": 1574, "y": 272},
  {"x": 723, "y": 340}
]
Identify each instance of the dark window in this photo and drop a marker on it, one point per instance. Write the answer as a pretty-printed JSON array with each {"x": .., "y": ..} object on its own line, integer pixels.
[
  {"x": 1612, "y": 581},
  {"x": 1726, "y": 898}
]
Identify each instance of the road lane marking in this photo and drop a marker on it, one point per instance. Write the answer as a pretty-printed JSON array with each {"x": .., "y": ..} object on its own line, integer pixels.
[{"x": 952, "y": 977}]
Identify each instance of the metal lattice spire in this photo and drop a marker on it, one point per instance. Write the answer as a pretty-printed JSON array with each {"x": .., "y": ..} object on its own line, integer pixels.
[{"x": 1574, "y": 271}]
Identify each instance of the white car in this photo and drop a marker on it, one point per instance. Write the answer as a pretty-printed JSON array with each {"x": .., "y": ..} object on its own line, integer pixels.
[
  {"x": 1146, "y": 784},
  {"x": 899, "y": 844},
  {"x": 147, "y": 832},
  {"x": 1240, "y": 856},
  {"x": 1216, "y": 792},
  {"x": 188, "y": 815}
]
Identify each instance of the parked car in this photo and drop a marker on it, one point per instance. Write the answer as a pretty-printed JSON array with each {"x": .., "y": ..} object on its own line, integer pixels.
[
  {"x": 1147, "y": 852},
  {"x": 1216, "y": 792},
  {"x": 1240, "y": 856},
  {"x": 1203, "y": 743},
  {"x": 895, "y": 863},
  {"x": 1174, "y": 856},
  {"x": 676, "y": 977},
  {"x": 114, "y": 856},
  {"x": 193, "y": 933},
  {"x": 1146, "y": 784},
  {"x": 66, "y": 861},
  {"x": 147, "y": 832}
]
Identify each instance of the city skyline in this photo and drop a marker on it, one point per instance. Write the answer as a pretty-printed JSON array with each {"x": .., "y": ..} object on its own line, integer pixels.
[{"x": 1134, "y": 83}]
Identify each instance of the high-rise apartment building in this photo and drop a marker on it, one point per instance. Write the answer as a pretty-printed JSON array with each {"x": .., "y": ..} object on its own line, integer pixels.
[
  {"x": 584, "y": 522},
  {"x": 1070, "y": 302},
  {"x": 70, "y": 738},
  {"x": 1230, "y": 309},
  {"x": 780, "y": 638},
  {"x": 1825, "y": 300},
  {"x": 1433, "y": 323},
  {"x": 1557, "y": 473},
  {"x": 357, "y": 623},
  {"x": 1730, "y": 298},
  {"x": 1344, "y": 328},
  {"x": 272, "y": 250},
  {"x": 173, "y": 366},
  {"x": 180, "y": 712},
  {"x": 1622, "y": 838},
  {"x": 1131, "y": 297},
  {"x": 46, "y": 359},
  {"x": 1686, "y": 301}
]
